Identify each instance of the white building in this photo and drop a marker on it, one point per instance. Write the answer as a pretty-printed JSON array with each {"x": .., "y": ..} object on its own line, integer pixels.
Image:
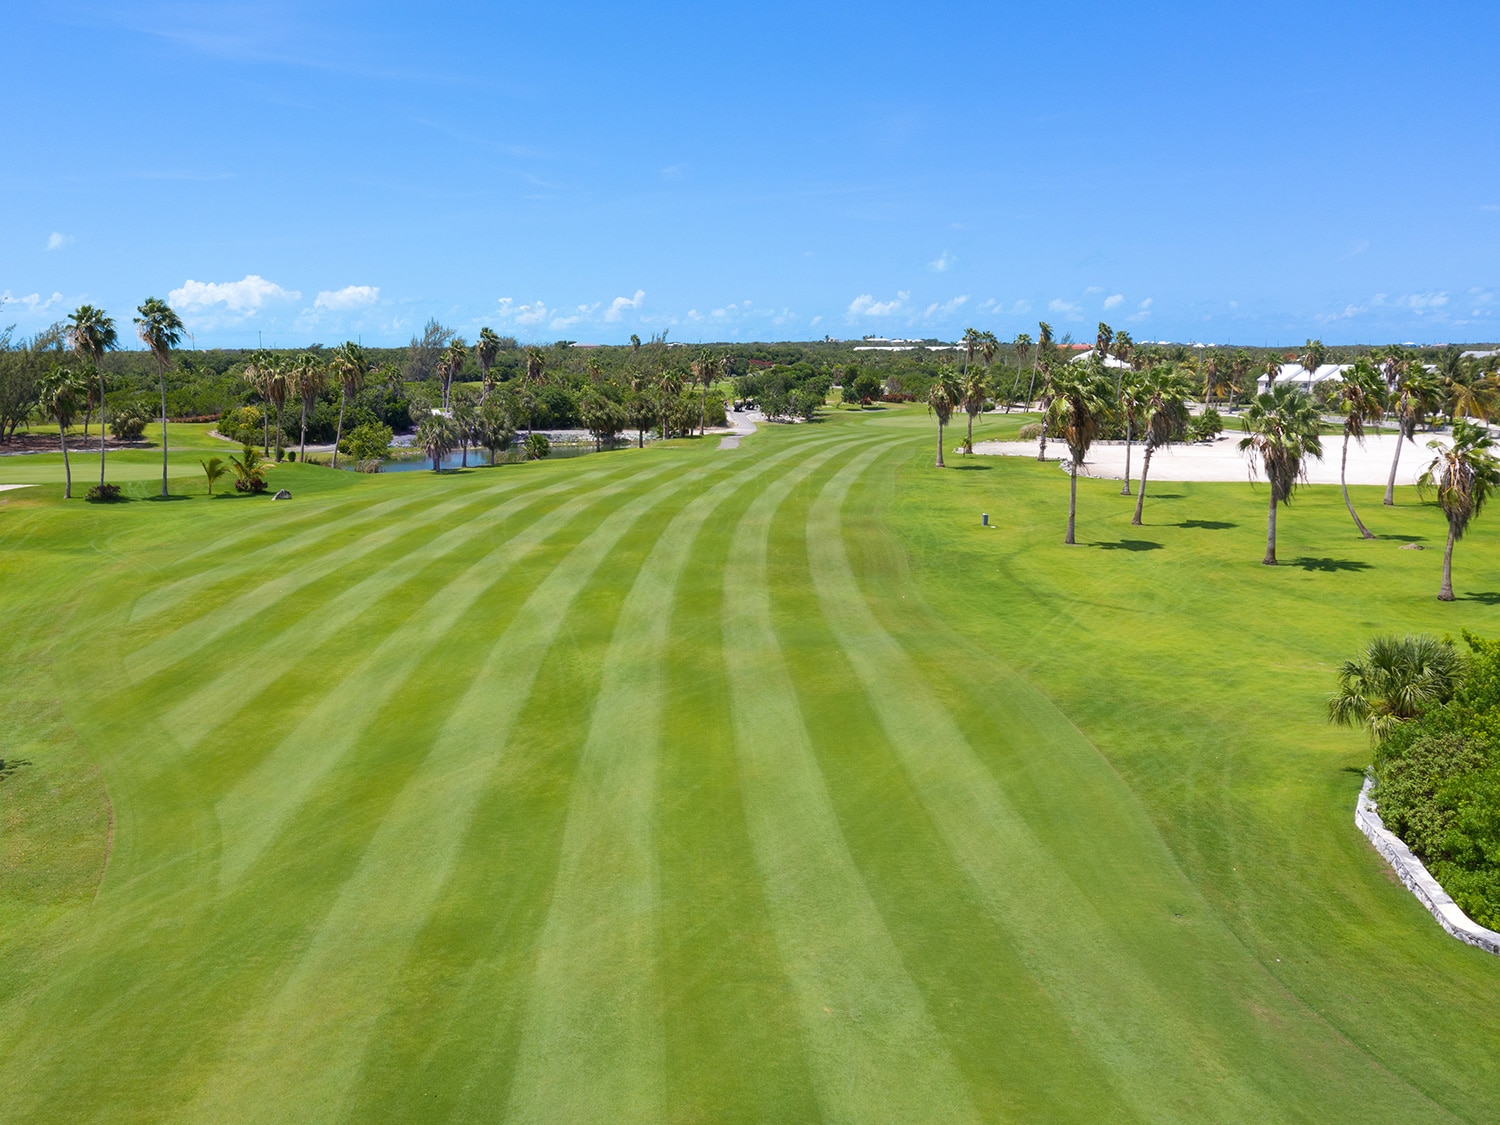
[
  {"x": 1109, "y": 360},
  {"x": 1299, "y": 376}
]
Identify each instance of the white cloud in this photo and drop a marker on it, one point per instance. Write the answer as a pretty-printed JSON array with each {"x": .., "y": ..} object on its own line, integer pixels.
[
  {"x": 1071, "y": 309},
  {"x": 817, "y": 320},
  {"x": 941, "y": 263},
  {"x": 1114, "y": 300},
  {"x": 56, "y": 240},
  {"x": 1420, "y": 302},
  {"x": 1145, "y": 305},
  {"x": 32, "y": 301},
  {"x": 533, "y": 313},
  {"x": 866, "y": 305},
  {"x": 947, "y": 308},
  {"x": 246, "y": 296},
  {"x": 349, "y": 297},
  {"x": 1092, "y": 289},
  {"x": 618, "y": 306}
]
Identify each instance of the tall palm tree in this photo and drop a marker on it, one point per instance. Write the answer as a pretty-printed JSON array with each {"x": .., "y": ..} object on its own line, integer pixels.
[
  {"x": 536, "y": 374},
  {"x": 257, "y": 373},
  {"x": 705, "y": 374},
  {"x": 943, "y": 397},
  {"x": 1412, "y": 395},
  {"x": 350, "y": 368},
  {"x": 63, "y": 393},
  {"x": 1022, "y": 348},
  {"x": 465, "y": 413},
  {"x": 450, "y": 364},
  {"x": 1467, "y": 392},
  {"x": 1313, "y": 356},
  {"x": 668, "y": 387},
  {"x": 1281, "y": 435},
  {"x": 1079, "y": 408},
  {"x": 1130, "y": 390},
  {"x": 1362, "y": 399},
  {"x": 1124, "y": 346},
  {"x": 486, "y": 349},
  {"x": 1102, "y": 340},
  {"x": 309, "y": 377},
  {"x": 988, "y": 346},
  {"x": 161, "y": 330},
  {"x": 1044, "y": 405},
  {"x": 1210, "y": 367},
  {"x": 974, "y": 392},
  {"x": 1043, "y": 347},
  {"x": 91, "y": 333},
  {"x": 278, "y": 386},
  {"x": 1398, "y": 680},
  {"x": 972, "y": 340},
  {"x": 1164, "y": 414},
  {"x": 1463, "y": 476}
]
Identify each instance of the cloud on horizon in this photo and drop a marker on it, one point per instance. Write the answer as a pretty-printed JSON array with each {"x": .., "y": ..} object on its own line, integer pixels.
[
  {"x": 244, "y": 297},
  {"x": 57, "y": 240},
  {"x": 866, "y": 305},
  {"x": 349, "y": 297}
]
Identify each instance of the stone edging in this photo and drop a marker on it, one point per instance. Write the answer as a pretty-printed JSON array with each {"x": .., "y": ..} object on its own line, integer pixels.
[{"x": 1417, "y": 879}]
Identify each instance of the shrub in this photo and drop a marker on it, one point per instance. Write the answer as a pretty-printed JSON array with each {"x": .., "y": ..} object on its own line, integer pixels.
[
  {"x": 368, "y": 442},
  {"x": 242, "y": 424},
  {"x": 129, "y": 422},
  {"x": 536, "y": 447},
  {"x": 1206, "y": 426},
  {"x": 866, "y": 387},
  {"x": 105, "y": 493}
]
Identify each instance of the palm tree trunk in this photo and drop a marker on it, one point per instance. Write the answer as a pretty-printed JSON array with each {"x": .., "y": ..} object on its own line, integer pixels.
[
  {"x": 969, "y": 443},
  {"x": 302, "y": 441},
  {"x": 279, "y": 433},
  {"x": 1031, "y": 387},
  {"x": 1129, "y": 434},
  {"x": 1041, "y": 448},
  {"x": 1364, "y": 532},
  {"x": 1072, "y": 500},
  {"x": 940, "y": 464},
  {"x": 62, "y": 434},
  {"x": 161, "y": 378},
  {"x": 1270, "y": 559},
  {"x": 265, "y": 429},
  {"x": 338, "y": 434},
  {"x": 100, "y": 371},
  {"x": 88, "y": 416},
  {"x": 465, "y": 462},
  {"x": 703, "y": 412},
  {"x": 1446, "y": 593},
  {"x": 1390, "y": 485},
  {"x": 1140, "y": 500}
]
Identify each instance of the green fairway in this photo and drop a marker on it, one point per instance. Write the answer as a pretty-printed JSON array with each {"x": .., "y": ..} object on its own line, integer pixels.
[{"x": 699, "y": 784}]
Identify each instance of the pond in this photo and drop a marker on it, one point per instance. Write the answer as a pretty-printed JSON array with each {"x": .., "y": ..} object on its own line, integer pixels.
[{"x": 480, "y": 459}]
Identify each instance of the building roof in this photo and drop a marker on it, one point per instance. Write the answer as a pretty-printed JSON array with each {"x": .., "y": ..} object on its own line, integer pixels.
[{"x": 1109, "y": 360}]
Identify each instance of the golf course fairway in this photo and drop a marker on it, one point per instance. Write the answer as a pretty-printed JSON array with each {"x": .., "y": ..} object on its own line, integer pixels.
[{"x": 690, "y": 784}]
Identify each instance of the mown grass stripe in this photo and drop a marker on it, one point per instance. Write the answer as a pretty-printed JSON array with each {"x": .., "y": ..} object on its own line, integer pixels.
[
  {"x": 260, "y": 805},
  {"x": 592, "y": 1046},
  {"x": 1059, "y": 935},
  {"x": 301, "y": 1052},
  {"x": 872, "y": 1049},
  {"x": 205, "y": 708}
]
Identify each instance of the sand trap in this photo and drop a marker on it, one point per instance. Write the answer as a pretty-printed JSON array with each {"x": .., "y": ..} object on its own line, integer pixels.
[
  {"x": 1222, "y": 460},
  {"x": 5, "y": 487}
]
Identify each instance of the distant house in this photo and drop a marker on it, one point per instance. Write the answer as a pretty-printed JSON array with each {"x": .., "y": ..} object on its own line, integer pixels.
[
  {"x": 1299, "y": 376},
  {"x": 1109, "y": 360}
]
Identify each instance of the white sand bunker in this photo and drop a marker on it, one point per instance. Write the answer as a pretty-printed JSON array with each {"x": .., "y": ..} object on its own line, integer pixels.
[
  {"x": 1221, "y": 460},
  {"x": 4, "y": 487}
]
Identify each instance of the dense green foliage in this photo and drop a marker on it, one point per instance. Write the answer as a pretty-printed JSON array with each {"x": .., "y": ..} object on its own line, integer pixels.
[{"x": 1438, "y": 784}]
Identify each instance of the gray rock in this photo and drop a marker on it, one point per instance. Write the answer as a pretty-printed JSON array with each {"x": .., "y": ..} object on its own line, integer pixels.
[
  {"x": 1412, "y": 547},
  {"x": 282, "y": 495}
]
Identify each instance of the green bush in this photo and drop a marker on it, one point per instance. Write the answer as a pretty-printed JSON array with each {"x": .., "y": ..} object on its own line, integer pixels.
[
  {"x": 129, "y": 422},
  {"x": 368, "y": 442},
  {"x": 536, "y": 447},
  {"x": 1206, "y": 426},
  {"x": 105, "y": 493}
]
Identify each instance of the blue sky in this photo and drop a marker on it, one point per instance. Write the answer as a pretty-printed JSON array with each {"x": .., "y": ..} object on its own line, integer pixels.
[{"x": 300, "y": 172}]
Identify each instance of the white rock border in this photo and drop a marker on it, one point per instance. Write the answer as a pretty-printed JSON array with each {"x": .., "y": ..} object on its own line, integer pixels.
[{"x": 1417, "y": 879}]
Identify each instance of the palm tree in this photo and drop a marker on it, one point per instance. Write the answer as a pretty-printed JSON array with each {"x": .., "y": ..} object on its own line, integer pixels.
[
  {"x": 91, "y": 333},
  {"x": 249, "y": 470},
  {"x": 1212, "y": 362},
  {"x": 350, "y": 368},
  {"x": 988, "y": 346},
  {"x": 1362, "y": 397},
  {"x": 436, "y": 437},
  {"x": 1021, "y": 347},
  {"x": 309, "y": 377},
  {"x": 668, "y": 387},
  {"x": 1130, "y": 391},
  {"x": 161, "y": 330},
  {"x": 972, "y": 340},
  {"x": 1314, "y": 355},
  {"x": 1124, "y": 346},
  {"x": 536, "y": 373},
  {"x": 1164, "y": 414},
  {"x": 1043, "y": 347},
  {"x": 1102, "y": 340},
  {"x": 257, "y": 373},
  {"x": 1398, "y": 680},
  {"x": 1463, "y": 475},
  {"x": 1281, "y": 434},
  {"x": 465, "y": 414},
  {"x": 974, "y": 391},
  {"x": 451, "y": 363},
  {"x": 278, "y": 386},
  {"x": 1044, "y": 405},
  {"x": 1413, "y": 394},
  {"x": 706, "y": 374},
  {"x": 1079, "y": 407},
  {"x": 214, "y": 468},
  {"x": 1467, "y": 392},
  {"x": 943, "y": 396},
  {"x": 64, "y": 390},
  {"x": 486, "y": 348}
]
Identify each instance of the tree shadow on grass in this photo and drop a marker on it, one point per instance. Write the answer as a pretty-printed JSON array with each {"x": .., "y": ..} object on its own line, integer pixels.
[
  {"x": 1208, "y": 525},
  {"x": 972, "y": 468},
  {"x": 1165, "y": 496},
  {"x": 1328, "y": 565},
  {"x": 1487, "y": 597},
  {"x": 163, "y": 499},
  {"x": 1129, "y": 545},
  {"x": 1404, "y": 538}
]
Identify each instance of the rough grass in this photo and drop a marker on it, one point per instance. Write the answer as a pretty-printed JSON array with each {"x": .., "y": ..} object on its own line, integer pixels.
[{"x": 688, "y": 784}]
